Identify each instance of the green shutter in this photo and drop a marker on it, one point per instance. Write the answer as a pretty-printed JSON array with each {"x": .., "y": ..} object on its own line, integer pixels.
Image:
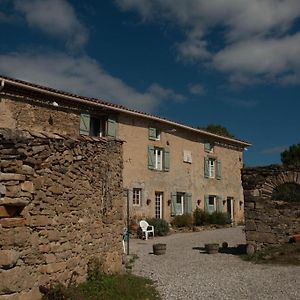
[
  {"x": 206, "y": 199},
  {"x": 111, "y": 127},
  {"x": 206, "y": 167},
  {"x": 166, "y": 162},
  {"x": 152, "y": 133},
  {"x": 219, "y": 204},
  {"x": 207, "y": 147},
  {"x": 85, "y": 124},
  {"x": 173, "y": 204},
  {"x": 188, "y": 203},
  {"x": 219, "y": 169},
  {"x": 151, "y": 161}
]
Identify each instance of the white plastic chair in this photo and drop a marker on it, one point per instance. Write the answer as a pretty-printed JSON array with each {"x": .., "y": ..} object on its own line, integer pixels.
[{"x": 146, "y": 228}]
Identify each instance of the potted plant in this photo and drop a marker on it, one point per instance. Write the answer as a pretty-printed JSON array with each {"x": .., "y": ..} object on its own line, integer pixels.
[{"x": 212, "y": 248}]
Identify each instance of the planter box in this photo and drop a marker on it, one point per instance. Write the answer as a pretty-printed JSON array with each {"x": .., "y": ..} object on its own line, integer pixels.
[
  {"x": 159, "y": 249},
  {"x": 212, "y": 248}
]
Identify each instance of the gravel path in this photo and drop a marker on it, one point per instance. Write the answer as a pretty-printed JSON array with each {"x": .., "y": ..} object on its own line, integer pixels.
[{"x": 187, "y": 273}]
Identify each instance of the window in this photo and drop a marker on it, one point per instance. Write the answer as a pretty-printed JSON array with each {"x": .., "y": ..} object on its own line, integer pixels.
[
  {"x": 158, "y": 155},
  {"x": 154, "y": 134},
  {"x": 158, "y": 204},
  {"x": 187, "y": 156},
  {"x": 98, "y": 125},
  {"x": 213, "y": 203},
  {"x": 158, "y": 158},
  {"x": 212, "y": 168},
  {"x": 181, "y": 203},
  {"x": 136, "y": 196},
  {"x": 208, "y": 147},
  {"x": 212, "y": 200}
]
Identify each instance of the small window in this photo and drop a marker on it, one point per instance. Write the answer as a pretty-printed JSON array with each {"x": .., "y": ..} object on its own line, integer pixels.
[
  {"x": 93, "y": 126},
  {"x": 212, "y": 200},
  {"x": 209, "y": 147},
  {"x": 137, "y": 196},
  {"x": 187, "y": 156},
  {"x": 154, "y": 134},
  {"x": 98, "y": 126}
]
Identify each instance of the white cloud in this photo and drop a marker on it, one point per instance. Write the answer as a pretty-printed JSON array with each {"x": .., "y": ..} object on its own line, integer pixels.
[
  {"x": 54, "y": 17},
  {"x": 84, "y": 76},
  {"x": 271, "y": 57},
  {"x": 196, "y": 89},
  {"x": 255, "y": 35}
]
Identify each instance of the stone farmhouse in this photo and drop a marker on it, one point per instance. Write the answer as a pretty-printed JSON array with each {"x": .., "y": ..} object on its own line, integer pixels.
[{"x": 169, "y": 168}]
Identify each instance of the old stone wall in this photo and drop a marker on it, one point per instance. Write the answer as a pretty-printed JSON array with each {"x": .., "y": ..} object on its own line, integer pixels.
[
  {"x": 60, "y": 205},
  {"x": 23, "y": 114},
  {"x": 269, "y": 221}
]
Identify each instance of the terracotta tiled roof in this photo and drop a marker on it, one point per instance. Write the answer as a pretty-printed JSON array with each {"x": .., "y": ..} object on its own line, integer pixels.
[{"x": 116, "y": 107}]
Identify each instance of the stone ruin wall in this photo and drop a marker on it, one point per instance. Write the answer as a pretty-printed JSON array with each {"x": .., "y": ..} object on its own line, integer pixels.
[
  {"x": 60, "y": 205},
  {"x": 269, "y": 222}
]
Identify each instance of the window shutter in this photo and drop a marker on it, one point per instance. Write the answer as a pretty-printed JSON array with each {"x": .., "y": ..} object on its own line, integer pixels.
[
  {"x": 142, "y": 197},
  {"x": 111, "y": 127},
  {"x": 152, "y": 133},
  {"x": 166, "y": 159},
  {"x": 151, "y": 161},
  {"x": 206, "y": 203},
  {"x": 219, "y": 169},
  {"x": 207, "y": 147},
  {"x": 188, "y": 203},
  {"x": 219, "y": 204},
  {"x": 130, "y": 197},
  {"x": 85, "y": 124},
  {"x": 206, "y": 167},
  {"x": 173, "y": 204}
]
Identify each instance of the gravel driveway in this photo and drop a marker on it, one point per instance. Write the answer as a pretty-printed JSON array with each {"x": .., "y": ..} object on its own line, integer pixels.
[{"x": 185, "y": 272}]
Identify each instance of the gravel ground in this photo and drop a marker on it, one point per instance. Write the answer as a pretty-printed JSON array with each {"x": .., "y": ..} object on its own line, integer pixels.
[{"x": 185, "y": 272}]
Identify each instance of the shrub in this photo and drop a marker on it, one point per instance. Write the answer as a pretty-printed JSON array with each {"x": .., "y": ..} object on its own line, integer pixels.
[
  {"x": 200, "y": 217},
  {"x": 161, "y": 227},
  {"x": 218, "y": 218},
  {"x": 185, "y": 220}
]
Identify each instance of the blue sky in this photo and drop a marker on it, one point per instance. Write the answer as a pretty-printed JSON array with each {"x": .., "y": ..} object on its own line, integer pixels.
[{"x": 233, "y": 62}]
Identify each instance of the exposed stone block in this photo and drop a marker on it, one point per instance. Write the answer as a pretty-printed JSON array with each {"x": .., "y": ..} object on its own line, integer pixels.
[
  {"x": 11, "y": 177},
  {"x": 2, "y": 189},
  {"x": 56, "y": 189},
  {"x": 27, "y": 170},
  {"x": 8, "y": 258},
  {"x": 15, "y": 280},
  {"x": 27, "y": 186},
  {"x": 21, "y": 202}
]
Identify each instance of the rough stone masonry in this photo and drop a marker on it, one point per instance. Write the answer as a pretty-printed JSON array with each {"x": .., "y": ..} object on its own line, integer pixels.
[
  {"x": 60, "y": 205},
  {"x": 268, "y": 221}
]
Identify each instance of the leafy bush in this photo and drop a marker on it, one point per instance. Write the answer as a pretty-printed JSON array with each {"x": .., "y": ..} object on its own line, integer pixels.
[
  {"x": 218, "y": 218},
  {"x": 104, "y": 286},
  {"x": 202, "y": 217},
  {"x": 185, "y": 220},
  {"x": 161, "y": 227}
]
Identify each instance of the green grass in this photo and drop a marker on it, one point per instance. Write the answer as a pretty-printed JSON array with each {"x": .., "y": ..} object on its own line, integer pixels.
[
  {"x": 107, "y": 287},
  {"x": 287, "y": 254}
]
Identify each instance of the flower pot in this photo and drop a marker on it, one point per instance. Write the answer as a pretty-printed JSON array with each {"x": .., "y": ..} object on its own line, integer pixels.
[
  {"x": 212, "y": 248},
  {"x": 159, "y": 249}
]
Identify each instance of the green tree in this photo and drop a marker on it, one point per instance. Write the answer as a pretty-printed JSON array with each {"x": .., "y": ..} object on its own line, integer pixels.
[
  {"x": 217, "y": 129},
  {"x": 291, "y": 157}
]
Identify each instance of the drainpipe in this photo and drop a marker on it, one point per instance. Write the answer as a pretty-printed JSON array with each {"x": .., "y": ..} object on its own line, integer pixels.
[{"x": 1, "y": 85}]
